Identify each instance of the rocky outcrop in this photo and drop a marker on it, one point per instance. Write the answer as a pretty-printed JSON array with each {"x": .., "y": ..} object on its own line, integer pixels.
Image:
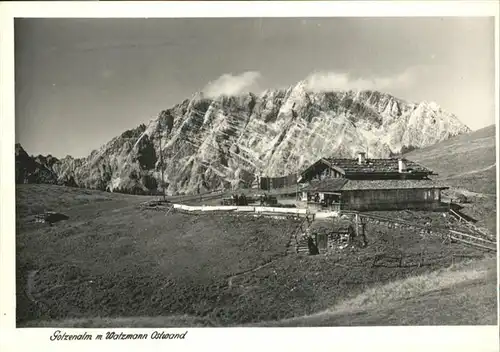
[
  {"x": 205, "y": 144},
  {"x": 34, "y": 170}
]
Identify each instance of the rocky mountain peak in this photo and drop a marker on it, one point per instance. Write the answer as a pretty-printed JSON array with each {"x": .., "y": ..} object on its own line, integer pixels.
[{"x": 211, "y": 143}]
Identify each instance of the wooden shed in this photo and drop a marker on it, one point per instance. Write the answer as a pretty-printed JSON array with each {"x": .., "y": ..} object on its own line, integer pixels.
[{"x": 327, "y": 234}]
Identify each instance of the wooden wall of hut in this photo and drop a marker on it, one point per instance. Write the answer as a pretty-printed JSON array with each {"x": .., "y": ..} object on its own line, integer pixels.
[{"x": 391, "y": 199}]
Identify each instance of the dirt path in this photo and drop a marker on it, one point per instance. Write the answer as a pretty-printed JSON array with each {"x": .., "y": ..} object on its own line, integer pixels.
[
  {"x": 472, "y": 172},
  {"x": 468, "y": 193}
]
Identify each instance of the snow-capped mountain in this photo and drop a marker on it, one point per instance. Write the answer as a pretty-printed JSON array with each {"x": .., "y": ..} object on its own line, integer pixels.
[{"x": 223, "y": 142}]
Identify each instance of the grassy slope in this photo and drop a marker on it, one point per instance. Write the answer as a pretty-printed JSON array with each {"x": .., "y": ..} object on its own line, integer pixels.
[
  {"x": 155, "y": 270},
  {"x": 420, "y": 300},
  {"x": 468, "y": 164},
  {"x": 139, "y": 262},
  {"x": 463, "y": 159}
]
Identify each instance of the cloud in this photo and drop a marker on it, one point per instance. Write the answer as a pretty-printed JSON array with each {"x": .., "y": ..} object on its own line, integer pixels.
[
  {"x": 229, "y": 84},
  {"x": 332, "y": 81}
]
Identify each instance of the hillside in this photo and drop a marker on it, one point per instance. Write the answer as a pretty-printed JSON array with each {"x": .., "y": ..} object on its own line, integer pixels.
[
  {"x": 467, "y": 163},
  {"x": 218, "y": 143},
  {"x": 413, "y": 301},
  {"x": 111, "y": 258},
  {"x": 112, "y": 261}
]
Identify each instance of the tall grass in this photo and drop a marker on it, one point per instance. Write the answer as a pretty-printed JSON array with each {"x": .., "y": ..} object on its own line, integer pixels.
[
  {"x": 383, "y": 297},
  {"x": 415, "y": 286}
]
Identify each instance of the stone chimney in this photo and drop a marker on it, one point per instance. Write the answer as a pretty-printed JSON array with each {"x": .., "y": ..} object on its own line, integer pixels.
[
  {"x": 402, "y": 165},
  {"x": 361, "y": 158}
]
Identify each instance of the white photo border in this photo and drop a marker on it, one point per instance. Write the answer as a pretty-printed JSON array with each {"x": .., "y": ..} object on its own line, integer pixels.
[{"x": 446, "y": 338}]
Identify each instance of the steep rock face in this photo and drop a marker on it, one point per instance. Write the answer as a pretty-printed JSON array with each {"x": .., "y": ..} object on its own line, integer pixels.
[
  {"x": 34, "y": 170},
  {"x": 205, "y": 144}
]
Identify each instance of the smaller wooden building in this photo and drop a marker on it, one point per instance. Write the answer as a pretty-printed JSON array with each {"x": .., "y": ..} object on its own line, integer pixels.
[{"x": 330, "y": 234}]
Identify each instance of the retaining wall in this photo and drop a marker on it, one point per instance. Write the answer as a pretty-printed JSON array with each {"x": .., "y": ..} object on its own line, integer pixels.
[
  {"x": 250, "y": 209},
  {"x": 326, "y": 214},
  {"x": 393, "y": 224}
]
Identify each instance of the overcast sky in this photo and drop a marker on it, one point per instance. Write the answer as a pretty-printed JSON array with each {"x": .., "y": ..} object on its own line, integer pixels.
[{"x": 81, "y": 82}]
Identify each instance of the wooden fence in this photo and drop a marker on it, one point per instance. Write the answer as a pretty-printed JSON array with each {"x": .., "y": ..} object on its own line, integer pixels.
[{"x": 454, "y": 235}]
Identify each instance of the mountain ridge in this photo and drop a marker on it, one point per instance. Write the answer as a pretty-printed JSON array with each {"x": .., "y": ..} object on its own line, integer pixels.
[{"x": 223, "y": 142}]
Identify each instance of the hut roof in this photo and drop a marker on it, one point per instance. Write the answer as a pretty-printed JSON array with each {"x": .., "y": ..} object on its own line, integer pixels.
[
  {"x": 358, "y": 185},
  {"x": 342, "y": 184},
  {"x": 352, "y": 166}
]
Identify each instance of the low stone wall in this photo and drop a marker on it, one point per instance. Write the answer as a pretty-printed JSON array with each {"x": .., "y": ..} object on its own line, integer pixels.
[{"x": 404, "y": 225}]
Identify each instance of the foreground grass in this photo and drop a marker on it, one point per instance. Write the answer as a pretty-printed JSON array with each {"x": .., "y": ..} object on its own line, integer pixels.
[
  {"x": 462, "y": 294},
  {"x": 114, "y": 264},
  {"x": 112, "y": 259}
]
